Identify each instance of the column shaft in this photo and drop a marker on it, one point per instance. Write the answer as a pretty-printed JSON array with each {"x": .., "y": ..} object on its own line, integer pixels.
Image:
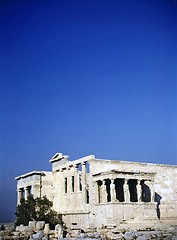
[
  {"x": 19, "y": 196},
  {"x": 76, "y": 184},
  {"x": 152, "y": 192},
  {"x": 95, "y": 185},
  {"x": 126, "y": 191},
  {"x": 139, "y": 191},
  {"x": 68, "y": 187},
  {"x": 113, "y": 191},
  {"x": 84, "y": 183},
  {"x": 27, "y": 192},
  {"x": 104, "y": 192}
]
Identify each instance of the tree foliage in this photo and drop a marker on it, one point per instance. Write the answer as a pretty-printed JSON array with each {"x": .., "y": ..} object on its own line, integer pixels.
[{"x": 38, "y": 209}]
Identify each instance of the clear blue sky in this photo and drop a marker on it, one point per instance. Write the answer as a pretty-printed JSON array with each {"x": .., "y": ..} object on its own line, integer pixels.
[{"x": 85, "y": 77}]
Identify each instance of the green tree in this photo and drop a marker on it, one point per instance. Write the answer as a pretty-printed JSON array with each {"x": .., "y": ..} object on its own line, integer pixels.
[
  {"x": 38, "y": 209},
  {"x": 25, "y": 212},
  {"x": 44, "y": 211}
]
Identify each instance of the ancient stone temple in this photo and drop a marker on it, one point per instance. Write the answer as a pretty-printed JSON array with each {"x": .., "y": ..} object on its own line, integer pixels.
[{"x": 97, "y": 193}]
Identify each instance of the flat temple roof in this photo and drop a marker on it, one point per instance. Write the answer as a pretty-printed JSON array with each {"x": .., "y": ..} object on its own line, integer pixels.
[{"x": 29, "y": 174}]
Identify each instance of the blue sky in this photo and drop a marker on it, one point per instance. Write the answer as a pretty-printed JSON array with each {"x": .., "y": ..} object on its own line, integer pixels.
[{"x": 85, "y": 77}]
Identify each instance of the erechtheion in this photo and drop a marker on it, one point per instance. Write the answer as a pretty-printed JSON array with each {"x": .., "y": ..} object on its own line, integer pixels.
[{"x": 97, "y": 193}]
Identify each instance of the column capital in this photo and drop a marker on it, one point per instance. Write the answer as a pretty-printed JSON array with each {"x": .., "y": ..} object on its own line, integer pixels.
[
  {"x": 112, "y": 180},
  {"x": 138, "y": 181},
  {"x": 104, "y": 181},
  {"x": 126, "y": 181},
  {"x": 75, "y": 166}
]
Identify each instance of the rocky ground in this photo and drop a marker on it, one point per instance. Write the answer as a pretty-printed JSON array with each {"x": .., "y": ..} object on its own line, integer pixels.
[{"x": 8, "y": 232}]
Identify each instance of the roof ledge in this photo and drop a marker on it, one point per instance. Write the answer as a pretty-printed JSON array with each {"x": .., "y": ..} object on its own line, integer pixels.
[{"x": 30, "y": 174}]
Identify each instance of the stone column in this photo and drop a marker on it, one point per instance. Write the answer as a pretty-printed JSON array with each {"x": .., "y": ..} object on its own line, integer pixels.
[
  {"x": 151, "y": 186},
  {"x": 84, "y": 183},
  {"x": 76, "y": 184},
  {"x": 84, "y": 173},
  {"x": 27, "y": 192},
  {"x": 113, "y": 190},
  {"x": 19, "y": 195},
  {"x": 69, "y": 188},
  {"x": 139, "y": 191},
  {"x": 99, "y": 192},
  {"x": 76, "y": 179},
  {"x": 95, "y": 186},
  {"x": 104, "y": 192},
  {"x": 126, "y": 191}
]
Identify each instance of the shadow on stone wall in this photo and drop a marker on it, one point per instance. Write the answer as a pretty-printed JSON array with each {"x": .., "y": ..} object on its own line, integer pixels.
[{"x": 158, "y": 199}]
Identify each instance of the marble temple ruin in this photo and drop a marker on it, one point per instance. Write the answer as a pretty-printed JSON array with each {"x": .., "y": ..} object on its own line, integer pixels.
[{"x": 92, "y": 193}]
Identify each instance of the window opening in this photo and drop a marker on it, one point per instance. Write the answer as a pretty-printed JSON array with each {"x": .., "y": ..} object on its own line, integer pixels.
[
  {"x": 80, "y": 183},
  {"x": 72, "y": 179},
  {"x": 107, "y": 183},
  {"x": 87, "y": 196},
  {"x": 66, "y": 185}
]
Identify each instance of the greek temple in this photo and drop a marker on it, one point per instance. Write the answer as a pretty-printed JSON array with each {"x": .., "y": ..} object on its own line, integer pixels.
[{"x": 96, "y": 193}]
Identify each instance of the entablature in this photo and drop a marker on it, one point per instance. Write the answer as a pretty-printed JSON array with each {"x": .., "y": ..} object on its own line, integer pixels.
[
  {"x": 26, "y": 175},
  {"x": 113, "y": 174}
]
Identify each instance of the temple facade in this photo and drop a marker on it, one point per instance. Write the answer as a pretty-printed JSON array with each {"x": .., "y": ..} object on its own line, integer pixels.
[{"x": 98, "y": 193}]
